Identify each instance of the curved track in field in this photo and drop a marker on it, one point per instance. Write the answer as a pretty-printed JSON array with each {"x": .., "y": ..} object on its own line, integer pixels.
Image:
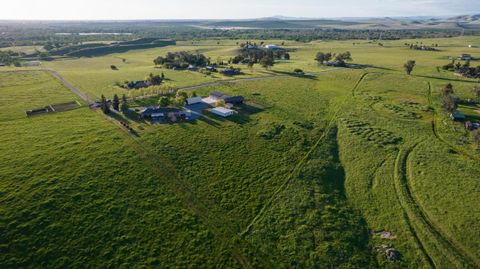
[{"x": 425, "y": 231}]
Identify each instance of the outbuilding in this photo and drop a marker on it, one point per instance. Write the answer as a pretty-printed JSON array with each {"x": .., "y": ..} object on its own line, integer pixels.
[
  {"x": 457, "y": 116},
  {"x": 194, "y": 100},
  {"x": 235, "y": 100},
  {"x": 223, "y": 112}
]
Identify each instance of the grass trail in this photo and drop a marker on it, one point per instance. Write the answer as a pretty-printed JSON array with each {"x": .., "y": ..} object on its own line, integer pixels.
[{"x": 300, "y": 164}]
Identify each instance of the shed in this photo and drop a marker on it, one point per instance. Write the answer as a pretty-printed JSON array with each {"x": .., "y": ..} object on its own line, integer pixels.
[
  {"x": 236, "y": 100},
  {"x": 223, "y": 112},
  {"x": 194, "y": 100},
  {"x": 217, "y": 95},
  {"x": 457, "y": 116}
]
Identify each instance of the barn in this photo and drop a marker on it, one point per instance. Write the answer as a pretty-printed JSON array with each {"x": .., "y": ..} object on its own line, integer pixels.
[{"x": 223, "y": 112}]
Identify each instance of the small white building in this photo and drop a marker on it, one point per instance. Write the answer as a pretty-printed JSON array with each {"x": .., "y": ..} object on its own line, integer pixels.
[
  {"x": 272, "y": 47},
  {"x": 194, "y": 100},
  {"x": 223, "y": 112}
]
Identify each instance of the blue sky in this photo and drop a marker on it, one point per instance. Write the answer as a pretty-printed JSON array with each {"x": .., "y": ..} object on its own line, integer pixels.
[{"x": 228, "y": 9}]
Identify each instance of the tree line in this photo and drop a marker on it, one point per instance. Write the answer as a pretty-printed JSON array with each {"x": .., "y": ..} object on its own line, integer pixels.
[
  {"x": 250, "y": 53},
  {"x": 182, "y": 60},
  {"x": 340, "y": 59}
]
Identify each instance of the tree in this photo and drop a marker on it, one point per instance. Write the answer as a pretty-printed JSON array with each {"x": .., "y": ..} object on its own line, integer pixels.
[
  {"x": 321, "y": 57},
  {"x": 194, "y": 94},
  {"x": 116, "y": 102},
  {"x": 476, "y": 92},
  {"x": 267, "y": 61},
  {"x": 447, "y": 90},
  {"x": 154, "y": 79},
  {"x": 124, "y": 105},
  {"x": 250, "y": 64},
  {"x": 104, "y": 105},
  {"x": 409, "y": 66},
  {"x": 220, "y": 103},
  {"x": 164, "y": 101},
  {"x": 181, "y": 98},
  {"x": 449, "y": 103},
  {"x": 343, "y": 57}
]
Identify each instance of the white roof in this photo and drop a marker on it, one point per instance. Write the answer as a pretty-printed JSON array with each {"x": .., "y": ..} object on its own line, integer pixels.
[{"x": 223, "y": 110}]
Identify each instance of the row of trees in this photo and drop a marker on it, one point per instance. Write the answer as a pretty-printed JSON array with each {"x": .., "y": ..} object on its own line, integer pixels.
[
  {"x": 9, "y": 58},
  {"x": 179, "y": 99},
  {"x": 412, "y": 46},
  {"x": 341, "y": 58},
  {"x": 116, "y": 104},
  {"x": 465, "y": 69},
  {"x": 182, "y": 59}
]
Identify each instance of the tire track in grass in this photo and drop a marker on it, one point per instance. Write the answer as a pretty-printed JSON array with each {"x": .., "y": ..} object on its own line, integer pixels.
[
  {"x": 398, "y": 175},
  {"x": 300, "y": 164},
  {"x": 219, "y": 226},
  {"x": 425, "y": 231},
  {"x": 447, "y": 241}
]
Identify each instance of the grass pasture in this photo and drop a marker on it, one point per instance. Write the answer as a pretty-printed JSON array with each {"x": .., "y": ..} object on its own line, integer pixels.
[{"x": 305, "y": 175}]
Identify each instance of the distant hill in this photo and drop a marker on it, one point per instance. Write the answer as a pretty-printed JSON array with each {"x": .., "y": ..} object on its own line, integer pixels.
[{"x": 281, "y": 22}]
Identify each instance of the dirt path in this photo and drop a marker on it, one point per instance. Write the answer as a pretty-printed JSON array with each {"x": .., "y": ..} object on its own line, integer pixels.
[
  {"x": 222, "y": 82},
  {"x": 69, "y": 85}
]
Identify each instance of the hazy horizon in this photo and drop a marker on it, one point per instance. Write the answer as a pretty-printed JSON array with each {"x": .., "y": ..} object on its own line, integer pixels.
[{"x": 215, "y": 9}]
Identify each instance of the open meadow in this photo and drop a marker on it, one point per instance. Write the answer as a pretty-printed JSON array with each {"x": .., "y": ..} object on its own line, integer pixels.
[{"x": 320, "y": 170}]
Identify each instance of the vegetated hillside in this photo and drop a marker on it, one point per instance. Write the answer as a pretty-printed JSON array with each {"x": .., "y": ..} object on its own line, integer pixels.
[
  {"x": 92, "y": 50},
  {"x": 279, "y": 24}
]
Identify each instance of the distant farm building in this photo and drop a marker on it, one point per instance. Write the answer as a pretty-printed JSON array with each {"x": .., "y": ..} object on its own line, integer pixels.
[
  {"x": 163, "y": 114},
  {"x": 217, "y": 96},
  {"x": 272, "y": 47},
  {"x": 223, "y": 112},
  {"x": 194, "y": 100},
  {"x": 210, "y": 69},
  {"x": 465, "y": 57},
  {"x": 214, "y": 97},
  {"x": 231, "y": 71},
  {"x": 32, "y": 63},
  {"x": 235, "y": 100}
]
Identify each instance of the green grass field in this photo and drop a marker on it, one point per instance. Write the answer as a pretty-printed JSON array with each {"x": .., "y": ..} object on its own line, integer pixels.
[{"x": 302, "y": 177}]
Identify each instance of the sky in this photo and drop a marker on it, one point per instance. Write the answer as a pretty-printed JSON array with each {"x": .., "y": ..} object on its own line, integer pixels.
[{"x": 227, "y": 9}]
